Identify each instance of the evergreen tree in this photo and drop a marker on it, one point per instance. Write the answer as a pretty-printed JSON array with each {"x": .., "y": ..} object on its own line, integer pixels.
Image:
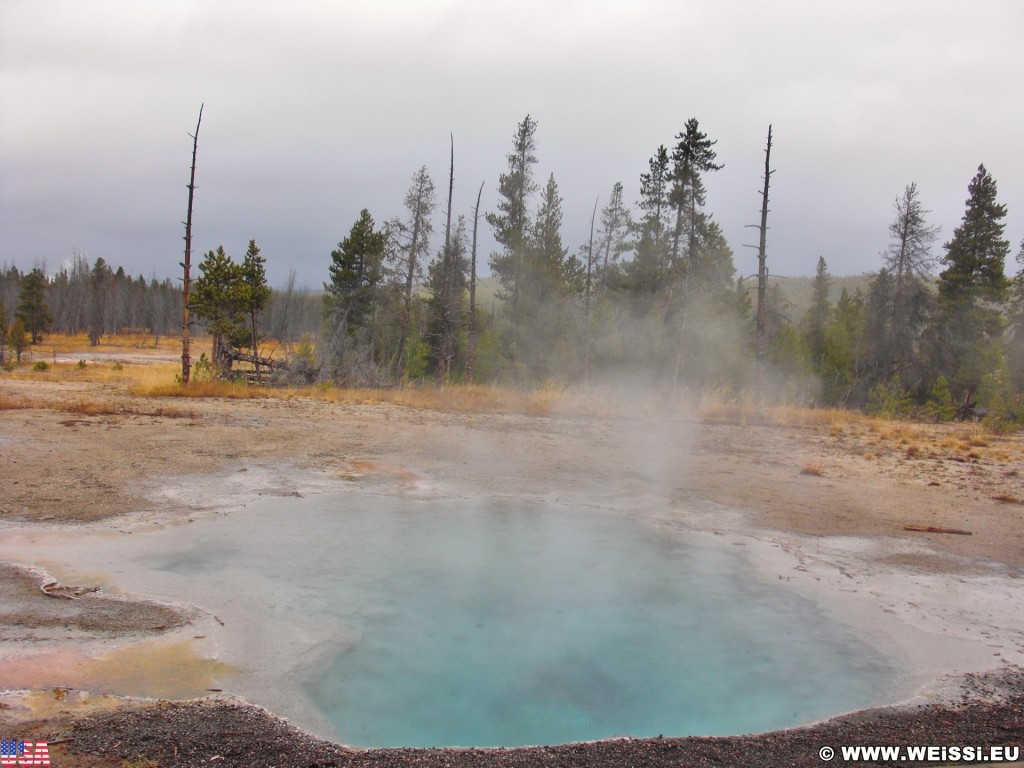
[
  {"x": 511, "y": 222},
  {"x": 970, "y": 288},
  {"x": 354, "y": 290},
  {"x": 549, "y": 274},
  {"x": 19, "y": 338},
  {"x": 410, "y": 244},
  {"x": 612, "y": 239},
  {"x": 1015, "y": 340},
  {"x": 842, "y": 349},
  {"x": 447, "y": 284},
  {"x": 254, "y": 293},
  {"x": 692, "y": 156},
  {"x": 100, "y": 283},
  {"x": 33, "y": 310},
  {"x": 911, "y": 238},
  {"x": 879, "y": 351},
  {"x": 908, "y": 259},
  {"x": 817, "y": 315},
  {"x": 216, "y": 299},
  {"x": 976, "y": 256},
  {"x": 645, "y": 274},
  {"x": 3, "y": 332}
]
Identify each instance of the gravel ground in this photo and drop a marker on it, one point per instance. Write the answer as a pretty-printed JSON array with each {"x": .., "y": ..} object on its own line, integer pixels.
[{"x": 989, "y": 712}]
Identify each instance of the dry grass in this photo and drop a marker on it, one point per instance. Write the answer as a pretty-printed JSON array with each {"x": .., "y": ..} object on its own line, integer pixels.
[
  {"x": 713, "y": 407},
  {"x": 201, "y": 389},
  {"x": 125, "y": 343},
  {"x": 91, "y": 407},
  {"x": 544, "y": 401},
  {"x": 461, "y": 399}
]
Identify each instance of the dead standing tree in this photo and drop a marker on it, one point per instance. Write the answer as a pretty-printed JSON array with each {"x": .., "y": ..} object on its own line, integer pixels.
[
  {"x": 591, "y": 257},
  {"x": 446, "y": 342},
  {"x": 762, "y": 269},
  {"x": 186, "y": 360},
  {"x": 471, "y": 355}
]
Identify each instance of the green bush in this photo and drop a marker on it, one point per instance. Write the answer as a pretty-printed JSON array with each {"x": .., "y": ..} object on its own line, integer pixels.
[
  {"x": 940, "y": 401},
  {"x": 889, "y": 399},
  {"x": 41, "y": 365}
]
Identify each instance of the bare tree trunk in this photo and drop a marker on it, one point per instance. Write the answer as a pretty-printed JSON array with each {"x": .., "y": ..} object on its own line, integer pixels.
[
  {"x": 762, "y": 270},
  {"x": 186, "y": 359},
  {"x": 444, "y": 345},
  {"x": 255, "y": 351},
  {"x": 471, "y": 356},
  {"x": 586, "y": 300}
]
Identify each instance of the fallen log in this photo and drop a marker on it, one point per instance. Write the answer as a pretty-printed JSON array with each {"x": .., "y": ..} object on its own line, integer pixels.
[
  {"x": 56, "y": 589},
  {"x": 50, "y": 589},
  {"x": 933, "y": 529}
]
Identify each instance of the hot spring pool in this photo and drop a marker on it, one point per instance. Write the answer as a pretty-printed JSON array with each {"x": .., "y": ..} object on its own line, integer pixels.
[{"x": 486, "y": 623}]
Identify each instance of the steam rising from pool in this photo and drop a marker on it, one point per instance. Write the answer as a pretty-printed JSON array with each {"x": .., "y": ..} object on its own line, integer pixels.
[
  {"x": 381, "y": 620},
  {"x": 492, "y": 623}
]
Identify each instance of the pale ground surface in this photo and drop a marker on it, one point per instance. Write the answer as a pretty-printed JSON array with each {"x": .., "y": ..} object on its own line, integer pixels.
[{"x": 941, "y": 603}]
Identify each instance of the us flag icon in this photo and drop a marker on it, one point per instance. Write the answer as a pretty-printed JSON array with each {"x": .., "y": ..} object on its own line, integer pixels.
[{"x": 17, "y": 753}]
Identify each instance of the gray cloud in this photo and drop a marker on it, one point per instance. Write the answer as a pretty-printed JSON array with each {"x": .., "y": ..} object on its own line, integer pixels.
[{"x": 316, "y": 109}]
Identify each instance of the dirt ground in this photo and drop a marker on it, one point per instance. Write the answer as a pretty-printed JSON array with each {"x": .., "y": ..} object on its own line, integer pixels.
[{"x": 854, "y": 478}]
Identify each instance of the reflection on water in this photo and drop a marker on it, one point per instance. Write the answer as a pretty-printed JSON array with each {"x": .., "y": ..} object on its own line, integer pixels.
[{"x": 423, "y": 623}]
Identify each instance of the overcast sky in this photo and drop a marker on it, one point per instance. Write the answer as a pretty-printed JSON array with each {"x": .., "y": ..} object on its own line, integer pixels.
[{"x": 316, "y": 109}]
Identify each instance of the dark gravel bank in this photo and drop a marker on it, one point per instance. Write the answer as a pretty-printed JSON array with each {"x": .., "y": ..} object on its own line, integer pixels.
[{"x": 227, "y": 733}]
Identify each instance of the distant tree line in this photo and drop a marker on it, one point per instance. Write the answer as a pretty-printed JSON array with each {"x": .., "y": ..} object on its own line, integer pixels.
[
  {"x": 652, "y": 293},
  {"x": 946, "y": 346},
  {"x": 100, "y": 301}
]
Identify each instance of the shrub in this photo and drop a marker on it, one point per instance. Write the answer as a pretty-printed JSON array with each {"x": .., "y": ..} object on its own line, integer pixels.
[
  {"x": 940, "y": 401},
  {"x": 41, "y": 365},
  {"x": 890, "y": 399}
]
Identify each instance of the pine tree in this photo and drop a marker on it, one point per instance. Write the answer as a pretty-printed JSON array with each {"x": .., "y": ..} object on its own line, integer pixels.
[
  {"x": 100, "y": 279},
  {"x": 3, "y": 332},
  {"x": 612, "y": 239},
  {"x": 817, "y": 315},
  {"x": 33, "y": 310},
  {"x": 842, "y": 349},
  {"x": 645, "y": 273},
  {"x": 976, "y": 255},
  {"x": 216, "y": 299},
  {"x": 911, "y": 238},
  {"x": 446, "y": 285},
  {"x": 549, "y": 272},
  {"x": 410, "y": 244},
  {"x": 1015, "y": 340},
  {"x": 511, "y": 222},
  {"x": 908, "y": 259},
  {"x": 357, "y": 273},
  {"x": 970, "y": 288},
  {"x": 19, "y": 338},
  {"x": 254, "y": 293},
  {"x": 879, "y": 353},
  {"x": 692, "y": 156}
]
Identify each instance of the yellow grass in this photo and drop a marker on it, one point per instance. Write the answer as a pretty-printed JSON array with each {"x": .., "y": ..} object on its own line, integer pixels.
[
  {"x": 126, "y": 343},
  {"x": 713, "y": 407}
]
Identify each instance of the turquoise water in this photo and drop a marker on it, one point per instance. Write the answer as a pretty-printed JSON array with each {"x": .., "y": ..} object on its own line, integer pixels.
[
  {"x": 512, "y": 624},
  {"x": 491, "y": 623}
]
